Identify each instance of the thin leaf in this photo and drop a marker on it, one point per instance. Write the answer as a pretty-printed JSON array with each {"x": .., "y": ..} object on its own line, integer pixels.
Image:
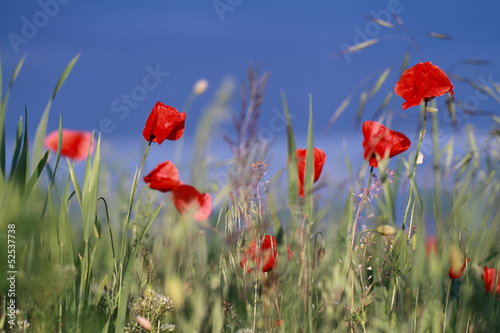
[
  {"x": 359, "y": 46},
  {"x": 347, "y": 220},
  {"x": 3, "y": 111},
  {"x": 52, "y": 222},
  {"x": 362, "y": 102},
  {"x": 13, "y": 78},
  {"x": 41, "y": 131},
  {"x": 36, "y": 175},
  {"x": 381, "y": 22},
  {"x": 97, "y": 228},
  {"x": 309, "y": 172},
  {"x": 148, "y": 224},
  {"x": 479, "y": 87},
  {"x": 65, "y": 232},
  {"x": 477, "y": 62},
  {"x": 497, "y": 87},
  {"x": 451, "y": 110},
  {"x": 76, "y": 185},
  {"x": 406, "y": 59},
  {"x": 382, "y": 106},
  {"x": 64, "y": 75},
  {"x": 339, "y": 110},
  {"x": 17, "y": 148},
  {"x": 439, "y": 35},
  {"x": 89, "y": 193},
  {"x": 23, "y": 168},
  {"x": 380, "y": 81},
  {"x": 292, "y": 159},
  {"x": 59, "y": 148},
  {"x": 398, "y": 19}
]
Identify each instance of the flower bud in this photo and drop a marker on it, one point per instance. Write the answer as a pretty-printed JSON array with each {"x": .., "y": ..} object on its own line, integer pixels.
[
  {"x": 200, "y": 87},
  {"x": 420, "y": 158},
  {"x": 144, "y": 323},
  {"x": 386, "y": 230}
]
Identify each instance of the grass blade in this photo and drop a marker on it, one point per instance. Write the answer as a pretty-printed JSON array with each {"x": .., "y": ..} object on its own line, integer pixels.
[
  {"x": 359, "y": 46},
  {"x": 362, "y": 103},
  {"x": 17, "y": 148},
  {"x": 309, "y": 172},
  {"x": 293, "y": 178},
  {"x": 380, "y": 22},
  {"x": 89, "y": 194},
  {"x": 439, "y": 35},
  {"x": 148, "y": 223},
  {"x": 23, "y": 168},
  {"x": 41, "y": 131},
  {"x": 36, "y": 175},
  {"x": 380, "y": 81},
  {"x": 76, "y": 185},
  {"x": 339, "y": 110},
  {"x": 3, "y": 111}
]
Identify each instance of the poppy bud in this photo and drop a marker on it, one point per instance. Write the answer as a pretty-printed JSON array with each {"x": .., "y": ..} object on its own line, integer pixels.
[
  {"x": 144, "y": 323},
  {"x": 457, "y": 264},
  {"x": 319, "y": 158},
  {"x": 386, "y": 230},
  {"x": 200, "y": 87}
]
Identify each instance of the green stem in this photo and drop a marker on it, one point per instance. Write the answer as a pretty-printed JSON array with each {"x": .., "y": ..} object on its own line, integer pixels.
[
  {"x": 363, "y": 200},
  {"x": 412, "y": 181},
  {"x": 134, "y": 187},
  {"x": 125, "y": 225},
  {"x": 446, "y": 306}
]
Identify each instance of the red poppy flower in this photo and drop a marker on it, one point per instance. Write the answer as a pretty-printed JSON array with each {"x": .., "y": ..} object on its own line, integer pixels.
[
  {"x": 164, "y": 177},
  {"x": 188, "y": 200},
  {"x": 430, "y": 246},
  {"x": 75, "y": 144},
  {"x": 164, "y": 122},
  {"x": 319, "y": 161},
  {"x": 267, "y": 255},
  {"x": 422, "y": 82},
  {"x": 489, "y": 276},
  {"x": 456, "y": 273},
  {"x": 381, "y": 141}
]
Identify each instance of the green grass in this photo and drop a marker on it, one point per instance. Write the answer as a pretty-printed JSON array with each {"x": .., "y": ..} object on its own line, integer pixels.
[{"x": 135, "y": 255}]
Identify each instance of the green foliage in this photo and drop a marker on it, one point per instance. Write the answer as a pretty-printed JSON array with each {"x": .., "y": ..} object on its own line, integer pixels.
[{"x": 349, "y": 270}]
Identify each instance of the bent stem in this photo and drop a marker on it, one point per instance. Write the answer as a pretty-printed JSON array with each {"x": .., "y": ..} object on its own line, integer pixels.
[
  {"x": 353, "y": 233},
  {"x": 363, "y": 200},
  {"x": 446, "y": 306},
  {"x": 412, "y": 181}
]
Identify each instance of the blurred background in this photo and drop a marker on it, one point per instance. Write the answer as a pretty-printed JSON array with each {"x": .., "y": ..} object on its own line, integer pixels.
[{"x": 134, "y": 54}]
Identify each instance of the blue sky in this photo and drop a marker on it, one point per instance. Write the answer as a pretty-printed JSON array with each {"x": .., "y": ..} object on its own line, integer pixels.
[{"x": 297, "y": 41}]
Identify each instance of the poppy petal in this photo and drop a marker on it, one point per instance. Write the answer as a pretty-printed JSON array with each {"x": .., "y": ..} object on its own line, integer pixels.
[
  {"x": 424, "y": 81},
  {"x": 319, "y": 161},
  {"x": 164, "y": 122},
  {"x": 188, "y": 200},
  {"x": 381, "y": 142},
  {"x": 164, "y": 177},
  {"x": 75, "y": 144}
]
